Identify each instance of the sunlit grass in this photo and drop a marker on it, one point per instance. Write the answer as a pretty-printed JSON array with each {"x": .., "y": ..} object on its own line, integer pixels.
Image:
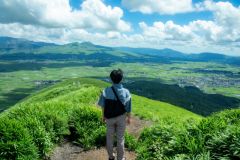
[{"x": 31, "y": 128}]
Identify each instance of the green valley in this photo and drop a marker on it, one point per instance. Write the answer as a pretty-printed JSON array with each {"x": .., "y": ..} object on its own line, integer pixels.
[
  {"x": 166, "y": 73},
  {"x": 19, "y": 79},
  {"x": 49, "y": 93},
  {"x": 26, "y": 67}
]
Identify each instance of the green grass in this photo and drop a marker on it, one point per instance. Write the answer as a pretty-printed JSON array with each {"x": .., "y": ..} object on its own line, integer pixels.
[
  {"x": 230, "y": 91},
  {"x": 67, "y": 108},
  {"x": 20, "y": 75},
  {"x": 45, "y": 118},
  {"x": 157, "y": 110},
  {"x": 32, "y": 128},
  {"x": 216, "y": 137}
]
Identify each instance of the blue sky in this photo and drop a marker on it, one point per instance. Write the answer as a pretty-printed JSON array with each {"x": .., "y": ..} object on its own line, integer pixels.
[
  {"x": 136, "y": 17},
  {"x": 189, "y": 26}
]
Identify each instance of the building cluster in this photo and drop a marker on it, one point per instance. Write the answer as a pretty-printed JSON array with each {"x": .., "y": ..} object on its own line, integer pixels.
[
  {"x": 213, "y": 81},
  {"x": 45, "y": 82}
]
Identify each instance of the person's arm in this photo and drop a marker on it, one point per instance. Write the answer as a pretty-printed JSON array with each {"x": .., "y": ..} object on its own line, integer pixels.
[
  {"x": 129, "y": 109},
  {"x": 101, "y": 103},
  {"x": 129, "y": 117},
  {"x": 103, "y": 118}
]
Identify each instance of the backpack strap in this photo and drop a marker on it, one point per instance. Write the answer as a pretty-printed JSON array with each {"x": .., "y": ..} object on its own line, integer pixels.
[{"x": 115, "y": 94}]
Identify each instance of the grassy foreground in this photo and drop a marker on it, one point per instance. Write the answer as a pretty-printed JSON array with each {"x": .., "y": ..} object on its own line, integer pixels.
[{"x": 32, "y": 128}]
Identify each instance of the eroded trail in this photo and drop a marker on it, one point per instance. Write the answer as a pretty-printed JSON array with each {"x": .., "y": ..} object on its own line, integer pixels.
[{"x": 68, "y": 151}]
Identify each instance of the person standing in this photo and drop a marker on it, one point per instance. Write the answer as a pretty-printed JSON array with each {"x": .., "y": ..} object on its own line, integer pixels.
[{"x": 115, "y": 102}]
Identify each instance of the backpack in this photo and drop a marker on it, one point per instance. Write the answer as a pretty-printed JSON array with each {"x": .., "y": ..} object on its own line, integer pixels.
[{"x": 113, "y": 108}]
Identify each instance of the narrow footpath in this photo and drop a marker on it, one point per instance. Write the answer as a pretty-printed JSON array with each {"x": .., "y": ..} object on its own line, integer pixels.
[{"x": 68, "y": 151}]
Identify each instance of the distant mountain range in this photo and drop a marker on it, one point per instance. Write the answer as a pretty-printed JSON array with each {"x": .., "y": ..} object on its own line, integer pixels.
[
  {"x": 156, "y": 52},
  {"x": 22, "y": 49},
  {"x": 176, "y": 55},
  {"x": 9, "y": 43}
]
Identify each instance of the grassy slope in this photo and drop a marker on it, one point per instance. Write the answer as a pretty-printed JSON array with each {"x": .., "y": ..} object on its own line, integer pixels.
[
  {"x": 68, "y": 91},
  {"x": 68, "y": 108},
  {"x": 30, "y": 129},
  {"x": 157, "y": 110}
]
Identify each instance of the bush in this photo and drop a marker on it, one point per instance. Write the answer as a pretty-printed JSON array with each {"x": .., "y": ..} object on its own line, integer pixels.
[
  {"x": 44, "y": 125},
  {"x": 158, "y": 141},
  {"x": 225, "y": 144},
  {"x": 15, "y": 141},
  {"x": 216, "y": 137},
  {"x": 131, "y": 142},
  {"x": 87, "y": 127},
  {"x": 40, "y": 136},
  {"x": 55, "y": 125},
  {"x": 45, "y": 118},
  {"x": 223, "y": 139}
]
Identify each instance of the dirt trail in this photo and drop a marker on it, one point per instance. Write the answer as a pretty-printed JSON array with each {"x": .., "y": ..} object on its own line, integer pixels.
[{"x": 68, "y": 151}]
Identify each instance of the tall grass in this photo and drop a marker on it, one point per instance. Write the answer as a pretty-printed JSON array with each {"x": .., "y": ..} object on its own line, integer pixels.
[
  {"x": 32, "y": 128},
  {"x": 216, "y": 137}
]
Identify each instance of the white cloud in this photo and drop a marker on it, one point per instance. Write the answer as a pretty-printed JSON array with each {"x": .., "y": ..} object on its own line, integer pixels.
[
  {"x": 223, "y": 29},
  {"x": 167, "y": 31},
  {"x": 63, "y": 35},
  {"x": 221, "y": 32},
  {"x": 31, "y": 32},
  {"x": 103, "y": 25},
  {"x": 226, "y": 16},
  {"x": 206, "y": 30},
  {"x": 159, "y": 6},
  {"x": 93, "y": 14}
]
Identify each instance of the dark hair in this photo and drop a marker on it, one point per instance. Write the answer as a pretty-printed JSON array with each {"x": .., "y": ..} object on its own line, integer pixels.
[{"x": 116, "y": 76}]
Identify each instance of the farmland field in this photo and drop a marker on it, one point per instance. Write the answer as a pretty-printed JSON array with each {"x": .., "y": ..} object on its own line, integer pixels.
[{"x": 19, "y": 79}]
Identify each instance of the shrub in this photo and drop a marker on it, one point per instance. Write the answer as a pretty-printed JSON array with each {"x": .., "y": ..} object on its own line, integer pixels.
[
  {"x": 40, "y": 136},
  {"x": 158, "y": 141},
  {"x": 215, "y": 137},
  {"x": 15, "y": 141},
  {"x": 87, "y": 128},
  {"x": 130, "y": 142},
  {"x": 55, "y": 125}
]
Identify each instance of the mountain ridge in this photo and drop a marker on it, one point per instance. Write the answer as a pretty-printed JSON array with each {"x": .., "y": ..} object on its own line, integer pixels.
[
  {"x": 19, "y": 43},
  {"x": 68, "y": 108},
  {"x": 13, "y": 48},
  {"x": 6, "y": 39}
]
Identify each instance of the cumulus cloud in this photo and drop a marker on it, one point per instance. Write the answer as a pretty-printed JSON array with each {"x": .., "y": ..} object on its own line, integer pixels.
[
  {"x": 159, "y": 6},
  {"x": 227, "y": 17},
  {"x": 166, "y": 31},
  {"x": 223, "y": 29},
  {"x": 64, "y": 35},
  {"x": 93, "y": 14},
  {"x": 55, "y": 21},
  {"x": 32, "y": 32}
]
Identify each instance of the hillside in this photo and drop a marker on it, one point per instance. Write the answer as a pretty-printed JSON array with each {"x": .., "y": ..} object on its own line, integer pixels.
[
  {"x": 69, "y": 91},
  {"x": 30, "y": 129},
  {"x": 22, "y": 49},
  {"x": 189, "y": 97},
  {"x": 44, "y": 118},
  {"x": 14, "y": 44},
  {"x": 173, "y": 55}
]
